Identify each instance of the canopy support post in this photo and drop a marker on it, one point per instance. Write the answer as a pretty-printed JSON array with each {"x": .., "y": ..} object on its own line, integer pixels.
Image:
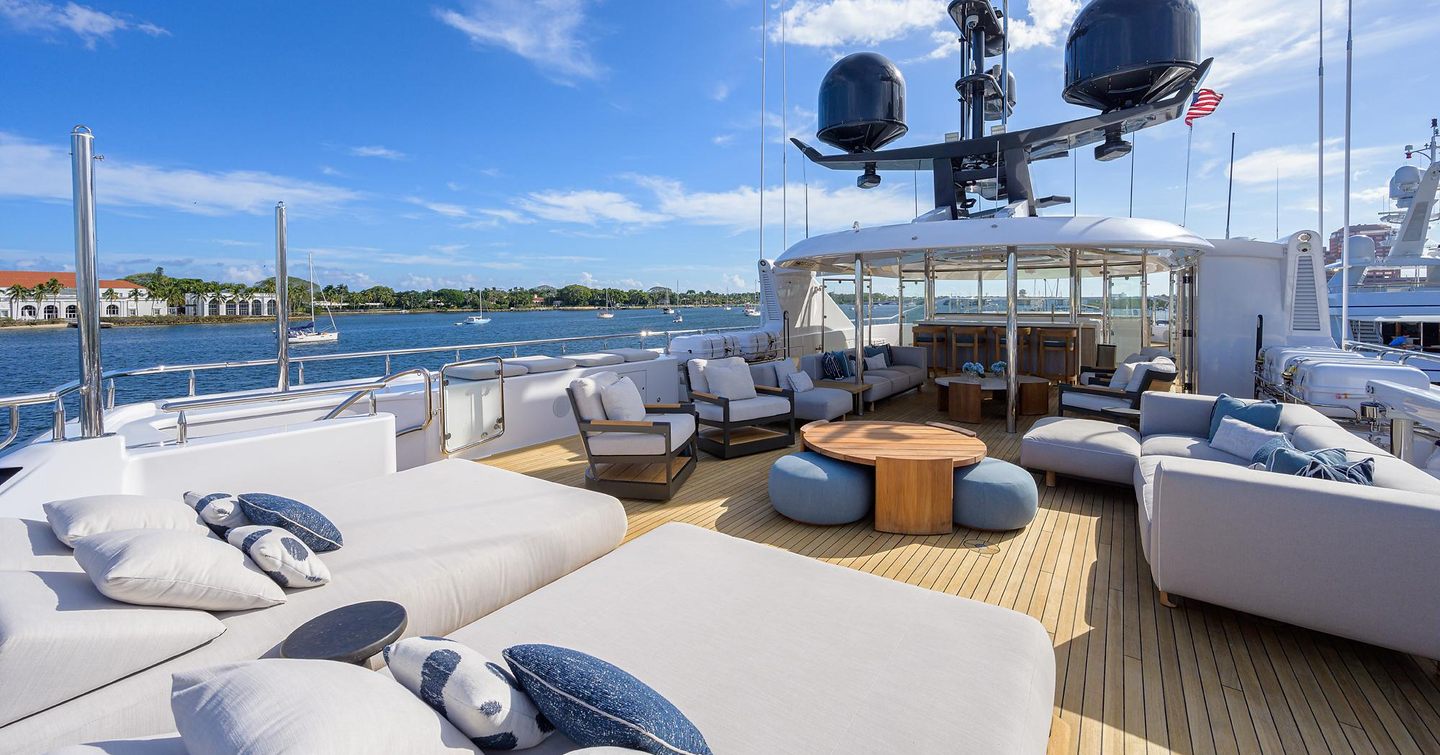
[
  {"x": 282, "y": 301},
  {"x": 1105, "y": 303},
  {"x": 900, "y": 294},
  {"x": 1074, "y": 288},
  {"x": 859, "y": 321},
  {"x": 980, "y": 292},
  {"x": 87, "y": 287},
  {"x": 929, "y": 287},
  {"x": 1012, "y": 338},
  {"x": 1144, "y": 301}
]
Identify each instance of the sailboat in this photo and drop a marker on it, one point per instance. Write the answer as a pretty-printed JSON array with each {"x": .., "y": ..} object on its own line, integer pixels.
[
  {"x": 306, "y": 332},
  {"x": 669, "y": 310},
  {"x": 477, "y": 319},
  {"x": 752, "y": 311},
  {"x": 606, "y": 314}
]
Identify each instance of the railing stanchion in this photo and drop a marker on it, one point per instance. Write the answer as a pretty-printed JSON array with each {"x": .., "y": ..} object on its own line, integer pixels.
[
  {"x": 182, "y": 429},
  {"x": 387, "y": 364},
  {"x": 192, "y": 382},
  {"x": 58, "y": 421},
  {"x": 302, "y": 373},
  {"x": 110, "y": 394}
]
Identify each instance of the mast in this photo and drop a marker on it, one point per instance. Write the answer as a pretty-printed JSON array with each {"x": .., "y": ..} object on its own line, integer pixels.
[{"x": 1345, "y": 234}]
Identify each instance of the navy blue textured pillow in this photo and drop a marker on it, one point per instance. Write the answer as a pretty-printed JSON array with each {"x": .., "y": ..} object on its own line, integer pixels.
[
  {"x": 830, "y": 367},
  {"x": 596, "y": 704},
  {"x": 1263, "y": 454},
  {"x": 305, "y": 523},
  {"x": 1264, "y": 414}
]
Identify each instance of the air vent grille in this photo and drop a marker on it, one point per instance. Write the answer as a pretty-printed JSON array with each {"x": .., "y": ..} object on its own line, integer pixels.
[{"x": 1305, "y": 314}]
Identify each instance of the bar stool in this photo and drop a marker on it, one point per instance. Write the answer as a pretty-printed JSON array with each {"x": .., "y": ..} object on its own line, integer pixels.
[
  {"x": 933, "y": 338},
  {"x": 964, "y": 338},
  {"x": 1061, "y": 342},
  {"x": 1022, "y": 351}
]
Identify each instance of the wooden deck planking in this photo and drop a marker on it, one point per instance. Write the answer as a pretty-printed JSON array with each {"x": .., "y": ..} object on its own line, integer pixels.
[{"x": 1131, "y": 676}]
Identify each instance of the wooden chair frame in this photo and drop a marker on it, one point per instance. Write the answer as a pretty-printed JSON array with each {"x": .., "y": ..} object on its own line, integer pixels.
[{"x": 687, "y": 455}]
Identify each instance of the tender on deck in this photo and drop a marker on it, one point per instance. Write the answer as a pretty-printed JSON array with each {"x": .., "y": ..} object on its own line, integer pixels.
[{"x": 1131, "y": 676}]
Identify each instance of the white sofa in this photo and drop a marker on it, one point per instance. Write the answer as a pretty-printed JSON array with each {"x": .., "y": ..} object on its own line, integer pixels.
[
  {"x": 451, "y": 541},
  {"x": 770, "y": 652},
  {"x": 1352, "y": 560}
]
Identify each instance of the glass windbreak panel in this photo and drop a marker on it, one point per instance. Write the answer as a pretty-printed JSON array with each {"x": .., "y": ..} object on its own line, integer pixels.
[
  {"x": 1124, "y": 323},
  {"x": 471, "y": 405}
]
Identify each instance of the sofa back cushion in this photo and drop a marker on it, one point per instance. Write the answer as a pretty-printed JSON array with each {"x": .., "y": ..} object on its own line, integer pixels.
[
  {"x": 622, "y": 401},
  {"x": 1262, "y": 414},
  {"x": 729, "y": 380},
  {"x": 765, "y": 373}
]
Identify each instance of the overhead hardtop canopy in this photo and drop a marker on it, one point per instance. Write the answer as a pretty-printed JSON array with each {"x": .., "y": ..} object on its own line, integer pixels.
[{"x": 963, "y": 249}]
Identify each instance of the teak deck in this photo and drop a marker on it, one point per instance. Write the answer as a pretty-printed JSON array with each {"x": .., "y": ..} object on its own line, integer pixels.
[{"x": 1131, "y": 675}]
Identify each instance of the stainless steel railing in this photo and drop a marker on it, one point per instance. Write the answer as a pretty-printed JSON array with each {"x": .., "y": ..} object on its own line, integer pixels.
[
  {"x": 181, "y": 406},
  {"x": 425, "y": 377},
  {"x": 57, "y": 396}
]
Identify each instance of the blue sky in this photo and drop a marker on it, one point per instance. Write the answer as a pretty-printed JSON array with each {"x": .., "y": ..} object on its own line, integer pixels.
[{"x": 610, "y": 142}]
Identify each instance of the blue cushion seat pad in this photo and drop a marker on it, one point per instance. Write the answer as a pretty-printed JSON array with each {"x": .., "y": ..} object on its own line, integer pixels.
[
  {"x": 816, "y": 489},
  {"x": 1262, "y": 414},
  {"x": 304, "y": 522},
  {"x": 597, "y": 704},
  {"x": 994, "y": 495}
]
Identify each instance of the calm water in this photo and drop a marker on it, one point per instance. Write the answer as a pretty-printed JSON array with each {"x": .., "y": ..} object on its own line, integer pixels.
[{"x": 39, "y": 359}]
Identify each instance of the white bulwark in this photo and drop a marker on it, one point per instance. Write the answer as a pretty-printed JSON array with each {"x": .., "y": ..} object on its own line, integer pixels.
[{"x": 30, "y": 295}]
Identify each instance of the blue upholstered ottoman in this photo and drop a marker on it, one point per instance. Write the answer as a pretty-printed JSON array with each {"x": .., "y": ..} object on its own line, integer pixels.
[
  {"x": 816, "y": 489},
  {"x": 995, "y": 495}
]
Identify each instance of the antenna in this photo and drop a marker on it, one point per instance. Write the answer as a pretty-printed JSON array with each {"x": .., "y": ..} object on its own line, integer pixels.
[
  {"x": 1320, "y": 122},
  {"x": 784, "y": 134},
  {"x": 762, "y": 129}
]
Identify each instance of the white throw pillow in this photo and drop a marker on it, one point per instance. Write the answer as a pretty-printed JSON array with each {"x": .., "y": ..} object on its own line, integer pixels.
[
  {"x": 61, "y": 639},
  {"x": 219, "y": 510},
  {"x": 281, "y": 555},
  {"x": 730, "y": 380},
  {"x": 587, "y": 394},
  {"x": 800, "y": 381},
  {"x": 1239, "y": 438},
  {"x": 279, "y": 706},
  {"x": 1137, "y": 377},
  {"x": 1122, "y": 375},
  {"x": 875, "y": 362},
  {"x": 622, "y": 401},
  {"x": 75, "y": 518},
  {"x": 473, "y": 692},
  {"x": 180, "y": 569}
]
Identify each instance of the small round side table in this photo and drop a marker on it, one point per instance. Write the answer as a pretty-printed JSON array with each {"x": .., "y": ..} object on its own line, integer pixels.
[{"x": 350, "y": 634}]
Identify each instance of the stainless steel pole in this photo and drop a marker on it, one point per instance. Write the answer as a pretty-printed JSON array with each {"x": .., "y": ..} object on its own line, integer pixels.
[
  {"x": 1074, "y": 288},
  {"x": 859, "y": 321},
  {"x": 1105, "y": 302},
  {"x": 1345, "y": 234},
  {"x": 87, "y": 287},
  {"x": 929, "y": 287},
  {"x": 1144, "y": 302},
  {"x": 900, "y": 294},
  {"x": 282, "y": 301},
  {"x": 980, "y": 293},
  {"x": 870, "y": 310},
  {"x": 1012, "y": 340}
]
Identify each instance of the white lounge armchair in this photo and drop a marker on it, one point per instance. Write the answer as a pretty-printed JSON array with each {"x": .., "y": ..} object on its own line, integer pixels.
[
  {"x": 738, "y": 412},
  {"x": 627, "y": 456}
]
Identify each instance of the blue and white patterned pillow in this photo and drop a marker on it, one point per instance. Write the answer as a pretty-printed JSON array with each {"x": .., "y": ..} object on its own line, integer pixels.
[
  {"x": 280, "y": 555},
  {"x": 594, "y": 703},
  {"x": 220, "y": 511},
  {"x": 306, "y": 523},
  {"x": 474, "y": 693}
]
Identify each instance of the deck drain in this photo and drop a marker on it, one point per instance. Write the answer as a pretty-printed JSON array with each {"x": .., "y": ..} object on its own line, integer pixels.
[{"x": 982, "y": 547}]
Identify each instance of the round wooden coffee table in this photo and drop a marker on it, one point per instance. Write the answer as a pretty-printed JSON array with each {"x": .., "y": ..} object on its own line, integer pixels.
[{"x": 914, "y": 468}]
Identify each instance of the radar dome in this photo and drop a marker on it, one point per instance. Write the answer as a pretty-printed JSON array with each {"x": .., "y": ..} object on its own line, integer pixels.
[
  {"x": 1122, "y": 53},
  {"x": 862, "y": 103}
]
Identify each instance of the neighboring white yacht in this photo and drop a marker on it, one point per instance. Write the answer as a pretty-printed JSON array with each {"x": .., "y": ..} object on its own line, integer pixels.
[{"x": 1395, "y": 300}]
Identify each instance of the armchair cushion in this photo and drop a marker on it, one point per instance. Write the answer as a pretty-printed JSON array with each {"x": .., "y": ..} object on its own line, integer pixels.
[
  {"x": 1092, "y": 401},
  {"x": 747, "y": 409},
  {"x": 729, "y": 380},
  {"x": 610, "y": 443},
  {"x": 587, "y": 394},
  {"x": 622, "y": 401}
]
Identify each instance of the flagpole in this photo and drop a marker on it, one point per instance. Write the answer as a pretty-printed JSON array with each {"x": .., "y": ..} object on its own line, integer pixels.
[
  {"x": 1230, "y": 192},
  {"x": 1345, "y": 234},
  {"x": 1134, "y": 142},
  {"x": 1189, "y": 141}
]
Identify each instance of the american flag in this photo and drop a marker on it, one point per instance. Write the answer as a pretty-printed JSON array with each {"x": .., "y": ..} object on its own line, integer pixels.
[{"x": 1202, "y": 104}]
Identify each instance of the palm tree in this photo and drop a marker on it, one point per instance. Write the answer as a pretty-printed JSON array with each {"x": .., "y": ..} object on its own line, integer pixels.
[
  {"x": 134, "y": 302},
  {"x": 52, "y": 289},
  {"x": 16, "y": 293}
]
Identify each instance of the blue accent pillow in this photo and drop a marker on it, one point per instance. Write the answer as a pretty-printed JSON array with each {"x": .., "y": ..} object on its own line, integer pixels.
[
  {"x": 1264, "y": 414},
  {"x": 871, "y": 351},
  {"x": 830, "y": 367},
  {"x": 305, "y": 523},
  {"x": 1264, "y": 452},
  {"x": 596, "y": 704},
  {"x": 842, "y": 358},
  {"x": 1323, "y": 464}
]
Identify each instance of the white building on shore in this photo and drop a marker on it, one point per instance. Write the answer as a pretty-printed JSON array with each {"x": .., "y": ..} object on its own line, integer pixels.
[
  {"x": 22, "y": 297},
  {"x": 230, "y": 305}
]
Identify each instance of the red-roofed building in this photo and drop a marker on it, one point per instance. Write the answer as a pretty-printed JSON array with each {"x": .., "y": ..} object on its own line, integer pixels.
[{"x": 22, "y": 297}]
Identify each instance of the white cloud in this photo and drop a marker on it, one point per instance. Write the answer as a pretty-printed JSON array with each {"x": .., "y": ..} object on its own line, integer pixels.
[
  {"x": 723, "y": 140},
  {"x": 588, "y": 207},
  {"x": 545, "y": 32},
  {"x": 734, "y": 282},
  {"x": 449, "y": 248},
  {"x": 720, "y": 92},
  {"x": 440, "y": 208},
  {"x": 587, "y": 279},
  {"x": 375, "y": 150},
  {"x": 90, "y": 25},
  {"x": 1297, "y": 162},
  {"x": 453, "y": 186},
  {"x": 32, "y": 170},
  {"x": 1048, "y": 23},
  {"x": 841, "y": 23},
  {"x": 330, "y": 171},
  {"x": 739, "y": 208}
]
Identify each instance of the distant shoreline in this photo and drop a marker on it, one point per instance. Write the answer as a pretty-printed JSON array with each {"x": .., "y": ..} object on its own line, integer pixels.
[{"x": 171, "y": 320}]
